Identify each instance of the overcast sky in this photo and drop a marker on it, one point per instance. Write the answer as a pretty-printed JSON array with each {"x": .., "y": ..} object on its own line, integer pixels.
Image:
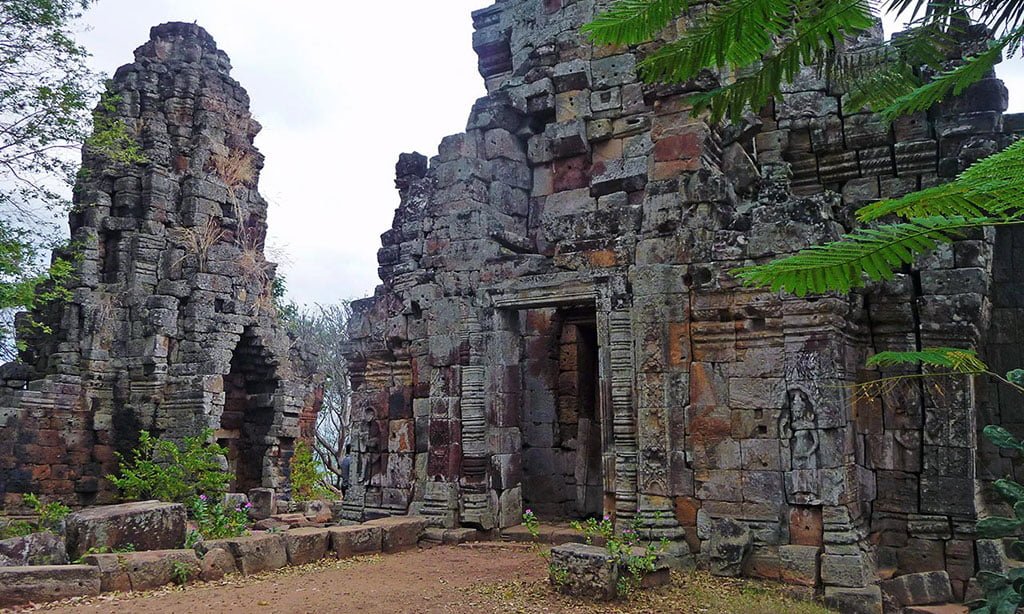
[{"x": 341, "y": 89}]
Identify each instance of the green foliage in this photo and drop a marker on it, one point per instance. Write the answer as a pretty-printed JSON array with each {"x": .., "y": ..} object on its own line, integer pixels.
[
  {"x": 532, "y": 524},
  {"x": 1003, "y": 592},
  {"x": 307, "y": 482},
  {"x": 633, "y": 560},
  {"x": 956, "y": 360},
  {"x": 875, "y": 253},
  {"x": 104, "y": 550},
  {"x": 110, "y": 136},
  {"x": 630, "y": 22},
  {"x": 182, "y": 572},
  {"x": 15, "y": 528},
  {"x": 215, "y": 520},
  {"x": 162, "y": 469},
  {"x": 50, "y": 514}
]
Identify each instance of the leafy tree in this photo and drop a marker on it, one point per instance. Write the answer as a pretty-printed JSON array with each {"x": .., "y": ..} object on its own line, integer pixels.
[
  {"x": 46, "y": 91},
  {"x": 324, "y": 328}
]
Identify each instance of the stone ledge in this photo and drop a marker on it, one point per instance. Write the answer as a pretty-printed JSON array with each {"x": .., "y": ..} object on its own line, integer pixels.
[
  {"x": 354, "y": 540},
  {"x": 136, "y": 571},
  {"x": 306, "y": 545},
  {"x": 253, "y": 553},
  {"x": 39, "y": 583},
  {"x": 399, "y": 532}
]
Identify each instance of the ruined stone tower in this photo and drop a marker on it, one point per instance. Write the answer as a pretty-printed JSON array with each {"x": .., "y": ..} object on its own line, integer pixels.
[
  {"x": 557, "y": 328},
  {"x": 170, "y": 326}
]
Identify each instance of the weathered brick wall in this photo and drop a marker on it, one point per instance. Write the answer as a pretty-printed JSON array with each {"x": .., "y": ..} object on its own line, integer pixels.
[
  {"x": 576, "y": 187},
  {"x": 170, "y": 296}
]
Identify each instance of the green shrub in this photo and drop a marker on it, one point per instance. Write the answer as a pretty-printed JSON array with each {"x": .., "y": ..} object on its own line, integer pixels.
[
  {"x": 50, "y": 514},
  {"x": 214, "y": 520},
  {"x": 164, "y": 470},
  {"x": 307, "y": 483}
]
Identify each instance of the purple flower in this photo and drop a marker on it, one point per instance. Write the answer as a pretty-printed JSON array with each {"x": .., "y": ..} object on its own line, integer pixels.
[
  {"x": 529, "y": 512},
  {"x": 202, "y": 497},
  {"x": 248, "y": 505},
  {"x": 607, "y": 517}
]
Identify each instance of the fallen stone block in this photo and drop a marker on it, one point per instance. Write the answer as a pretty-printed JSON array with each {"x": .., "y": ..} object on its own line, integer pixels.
[
  {"x": 356, "y": 539},
  {"x": 43, "y": 548},
  {"x": 460, "y": 536},
  {"x": 40, "y": 583},
  {"x": 264, "y": 503},
  {"x": 216, "y": 564},
  {"x": 800, "y": 564},
  {"x": 144, "y": 525},
  {"x": 865, "y": 600},
  {"x": 318, "y": 512},
  {"x": 399, "y": 532},
  {"x": 925, "y": 588},
  {"x": 306, "y": 545},
  {"x": 138, "y": 571},
  {"x": 252, "y": 553},
  {"x": 584, "y": 571}
]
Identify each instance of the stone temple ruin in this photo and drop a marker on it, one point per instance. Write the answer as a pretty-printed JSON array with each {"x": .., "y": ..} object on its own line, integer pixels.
[
  {"x": 557, "y": 328},
  {"x": 170, "y": 326}
]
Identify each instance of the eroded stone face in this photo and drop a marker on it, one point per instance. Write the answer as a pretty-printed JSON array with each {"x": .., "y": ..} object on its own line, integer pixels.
[
  {"x": 170, "y": 326},
  {"x": 579, "y": 197}
]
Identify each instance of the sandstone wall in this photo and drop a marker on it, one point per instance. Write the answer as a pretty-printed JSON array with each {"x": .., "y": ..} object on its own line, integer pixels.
[
  {"x": 576, "y": 188},
  {"x": 171, "y": 326}
]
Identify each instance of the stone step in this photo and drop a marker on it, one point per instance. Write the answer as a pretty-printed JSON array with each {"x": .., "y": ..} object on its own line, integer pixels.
[
  {"x": 553, "y": 534},
  {"x": 945, "y": 608},
  {"x": 138, "y": 571},
  {"x": 39, "y": 583}
]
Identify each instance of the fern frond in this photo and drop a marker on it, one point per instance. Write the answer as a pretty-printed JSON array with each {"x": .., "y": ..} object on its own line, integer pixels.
[
  {"x": 953, "y": 82},
  {"x": 991, "y": 187},
  {"x": 806, "y": 41},
  {"x": 874, "y": 253},
  {"x": 957, "y": 360},
  {"x": 876, "y": 86},
  {"x": 630, "y": 22},
  {"x": 735, "y": 33}
]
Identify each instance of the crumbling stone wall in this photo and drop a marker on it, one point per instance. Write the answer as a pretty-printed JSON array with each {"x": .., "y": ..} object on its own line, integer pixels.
[
  {"x": 170, "y": 326},
  {"x": 722, "y": 411}
]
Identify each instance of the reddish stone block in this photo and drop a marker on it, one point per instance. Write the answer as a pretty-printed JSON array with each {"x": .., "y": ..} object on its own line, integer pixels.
[
  {"x": 686, "y": 146},
  {"x": 686, "y": 511},
  {"x": 678, "y": 344},
  {"x": 571, "y": 173},
  {"x": 805, "y": 526},
  {"x": 603, "y": 258}
]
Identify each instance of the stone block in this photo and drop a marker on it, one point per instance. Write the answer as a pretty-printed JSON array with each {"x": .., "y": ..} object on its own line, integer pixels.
[
  {"x": 139, "y": 571},
  {"x": 145, "y": 525},
  {"x": 320, "y": 512},
  {"x": 252, "y": 553},
  {"x": 730, "y": 543},
  {"x": 306, "y": 545},
  {"x": 846, "y": 570},
  {"x": 354, "y": 540},
  {"x": 925, "y": 588},
  {"x": 866, "y": 600},
  {"x": 399, "y": 532},
  {"x": 264, "y": 503},
  {"x": 216, "y": 564},
  {"x": 800, "y": 564},
  {"x": 43, "y": 548},
  {"x": 584, "y": 571},
  {"x": 41, "y": 583}
]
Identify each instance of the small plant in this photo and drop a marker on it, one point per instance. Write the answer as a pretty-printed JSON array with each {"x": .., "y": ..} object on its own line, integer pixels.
[
  {"x": 162, "y": 469},
  {"x": 192, "y": 537},
  {"x": 214, "y": 520},
  {"x": 182, "y": 572},
  {"x": 624, "y": 547},
  {"x": 197, "y": 240},
  {"x": 559, "y": 574},
  {"x": 307, "y": 483},
  {"x": 50, "y": 514},
  {"x": 104, "y": 550},
  {"x": 532, "y": 524},
  {"x": 16, "y": 528}
]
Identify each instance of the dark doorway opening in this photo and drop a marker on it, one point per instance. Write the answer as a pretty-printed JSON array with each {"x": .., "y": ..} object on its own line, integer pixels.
[
  {"x": 248, "y": 415},
  {"x": 562, "y": 441}
]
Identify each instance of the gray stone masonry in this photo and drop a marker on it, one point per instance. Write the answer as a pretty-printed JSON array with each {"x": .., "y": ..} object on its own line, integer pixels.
[
  {"x": 170, "y": 325},
  {"x": 557, "y": 329}
]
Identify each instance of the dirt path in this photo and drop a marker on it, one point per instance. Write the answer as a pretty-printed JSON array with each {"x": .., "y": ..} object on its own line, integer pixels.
[
  {"x": 468, "y": 579},
  {"x": 414, "y": 581}
]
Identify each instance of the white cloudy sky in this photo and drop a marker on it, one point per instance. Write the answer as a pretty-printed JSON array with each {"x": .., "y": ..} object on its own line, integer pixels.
[{"x": 341, "y": 88}]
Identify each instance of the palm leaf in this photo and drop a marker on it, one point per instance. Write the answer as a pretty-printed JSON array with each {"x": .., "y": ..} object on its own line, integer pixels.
[
  {"x": 630, "y": 22},
  {"x": 991, "y": 187},
  {"x": 873, "y": 253},
  {"x": 957, "y": 360}
]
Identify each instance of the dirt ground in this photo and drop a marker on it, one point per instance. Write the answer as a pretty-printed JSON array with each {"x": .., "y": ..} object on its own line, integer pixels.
[{"x": 450, "y": 579}]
